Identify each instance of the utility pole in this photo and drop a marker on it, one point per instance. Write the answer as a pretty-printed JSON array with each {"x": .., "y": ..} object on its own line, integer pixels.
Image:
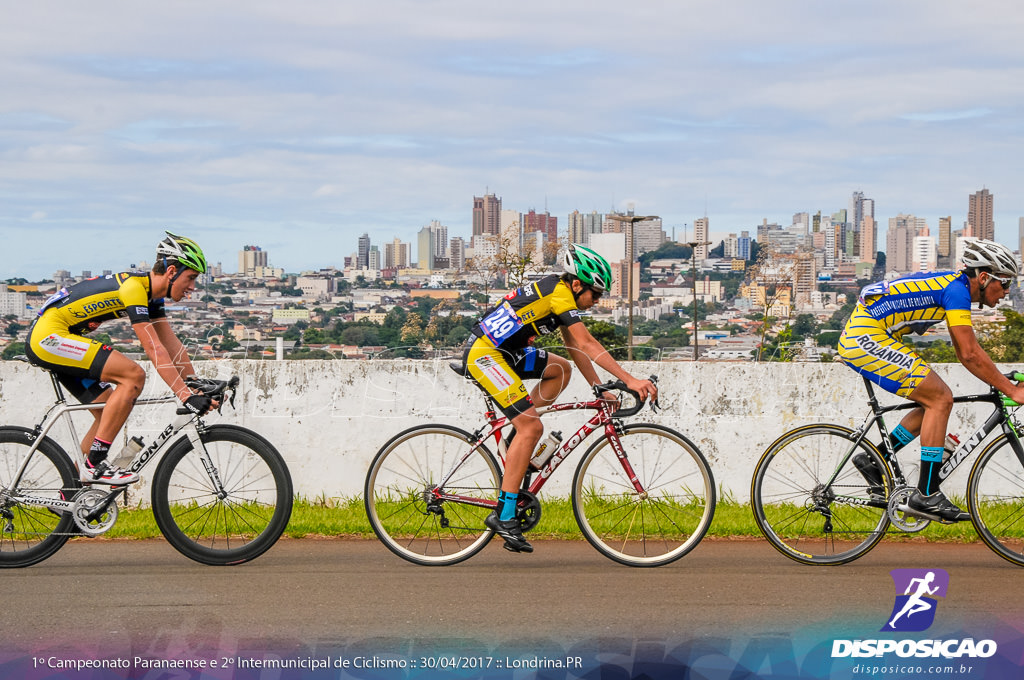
[
  {"x": 631, "y": 220},
  {"x": 693, "y": 266}
]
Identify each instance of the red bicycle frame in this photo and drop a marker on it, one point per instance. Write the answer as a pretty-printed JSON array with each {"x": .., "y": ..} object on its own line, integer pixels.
[{"x": 495, "y": 423}]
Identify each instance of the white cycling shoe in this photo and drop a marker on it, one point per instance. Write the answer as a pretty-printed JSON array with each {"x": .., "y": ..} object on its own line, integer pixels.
[{"x": 104, "y": 473}]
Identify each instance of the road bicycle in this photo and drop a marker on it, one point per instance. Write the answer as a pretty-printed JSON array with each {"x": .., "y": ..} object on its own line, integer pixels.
[
  {"x": 221, "y": 494},
  {"x": 814, "y": 506},
  {"x": 643, "y": 494}
]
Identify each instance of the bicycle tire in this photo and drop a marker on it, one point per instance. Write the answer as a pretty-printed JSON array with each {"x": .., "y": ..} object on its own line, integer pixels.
[
  {"x": 671, "y": 517},
  {"x": 223, "y": 531},
  {"x": 788, "y": 496},
  {"x": 400, "y": 479},
  {"x": 29, "y": 533},
  {"x": 995, "y": 495}
]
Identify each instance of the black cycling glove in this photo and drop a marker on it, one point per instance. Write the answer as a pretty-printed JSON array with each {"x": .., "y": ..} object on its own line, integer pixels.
[{"x": 199, "y": 404}]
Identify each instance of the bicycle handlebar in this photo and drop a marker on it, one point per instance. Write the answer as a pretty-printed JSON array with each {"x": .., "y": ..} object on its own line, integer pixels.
[
  {"x": 214, "y": 389},
  {"x": 620, "y": 386}
]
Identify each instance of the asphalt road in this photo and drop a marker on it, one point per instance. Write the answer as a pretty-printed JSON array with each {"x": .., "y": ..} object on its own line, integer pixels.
[{"x": 309, "y": 593}]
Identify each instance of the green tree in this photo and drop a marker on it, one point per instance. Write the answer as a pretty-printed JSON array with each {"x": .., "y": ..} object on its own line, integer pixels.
[{"x": 12, "y": 350}]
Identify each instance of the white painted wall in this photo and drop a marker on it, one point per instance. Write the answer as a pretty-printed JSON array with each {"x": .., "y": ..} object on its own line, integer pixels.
[{"x": 328, "y": 418}]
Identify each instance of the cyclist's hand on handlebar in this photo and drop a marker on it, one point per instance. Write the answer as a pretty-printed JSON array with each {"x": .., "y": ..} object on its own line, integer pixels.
[
  {"x": 1016, "y": 393},
  {"x": 200, "y": 404},
  {"x": 645, "y": 388}
]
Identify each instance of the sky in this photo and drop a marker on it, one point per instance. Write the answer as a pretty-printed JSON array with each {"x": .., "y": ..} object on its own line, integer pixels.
[{"x": 299, "y": 126}]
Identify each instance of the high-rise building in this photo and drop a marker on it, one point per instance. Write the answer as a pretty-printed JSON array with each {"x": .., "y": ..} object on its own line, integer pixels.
[
  {"x": 945, "y": 232},
  {"x": 486, "y": 214},
  {"x": 426, "y": 248},
  {"x": 396, "y": 255},
  {"x": 250, "y": 258},
  {"x": 575, "y": 229},
  {"x": 743, "y": 245},
  {"x": 979, "y": 215},
  {"x": 700, "y": 236},
  {"x": 868, "y": 237},
  {"x": 373, "y": 258},
  {"x": 899, "y": 242},
  {"x": 925, "y": 254},
  {"x": 534, "y": 221},
  {"x": 363, "y": 253},
  {"x": 457, "y": 253},
  {"x": 440, "y": 238},
  {"x": 592, "y": 223}
]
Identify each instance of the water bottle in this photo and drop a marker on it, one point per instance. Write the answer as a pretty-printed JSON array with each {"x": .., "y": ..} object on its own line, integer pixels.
[
  {"x": 127, "y": 453},
  {"x": 544, "y": 451},
  {"x": 950, "y": 445}
]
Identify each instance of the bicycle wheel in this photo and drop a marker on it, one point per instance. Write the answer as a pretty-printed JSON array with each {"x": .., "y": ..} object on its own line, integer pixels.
[
  {"x": 31, "y": 533},
  {"x": 238, "y": 525},
  {"x": 995, "y": 495},
  {"x": 801, "y": 514},
  {"x": 401, "y": 495},
  {"x": 660, "y": 525}
]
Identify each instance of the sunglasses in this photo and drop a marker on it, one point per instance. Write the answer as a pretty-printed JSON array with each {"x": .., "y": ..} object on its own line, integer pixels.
[
  {"x": 595, "y": 293},
  {"x": 1004, "y": 282}
]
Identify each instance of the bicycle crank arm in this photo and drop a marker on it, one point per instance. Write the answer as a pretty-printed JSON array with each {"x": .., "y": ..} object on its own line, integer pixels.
[{"x": 907, "y": 510}]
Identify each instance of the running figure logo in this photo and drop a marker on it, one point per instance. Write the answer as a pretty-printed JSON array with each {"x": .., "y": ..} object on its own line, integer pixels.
[{"x": 914, "y": 609}]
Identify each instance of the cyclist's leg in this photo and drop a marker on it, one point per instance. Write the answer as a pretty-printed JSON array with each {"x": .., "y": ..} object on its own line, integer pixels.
[
  {"x": 553, "y": 380},
  {"x": 129, "y": 379},
  {"x": 937, "y": 400}
]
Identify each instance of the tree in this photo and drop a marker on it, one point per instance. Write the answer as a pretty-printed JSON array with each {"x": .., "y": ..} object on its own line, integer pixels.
[
  {"x": 772, "y": 276},
  {"x": 12, "y": 350}
]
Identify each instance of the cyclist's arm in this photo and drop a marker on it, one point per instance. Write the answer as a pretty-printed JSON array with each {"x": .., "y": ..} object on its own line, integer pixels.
[
  {"x": 583, "y": 349},
  {"x": 161, "y": 356},
  {"x": 977, "y": 361}
]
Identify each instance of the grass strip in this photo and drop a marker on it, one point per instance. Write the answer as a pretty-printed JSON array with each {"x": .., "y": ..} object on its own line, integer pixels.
[{"x": 347, "y": 518}]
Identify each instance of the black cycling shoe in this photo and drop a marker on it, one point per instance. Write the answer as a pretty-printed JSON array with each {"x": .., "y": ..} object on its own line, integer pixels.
[
  {"x": 510, "y": 531},
  {"x": 869, "y": 469},
  {"x": 936, "y": 505}
]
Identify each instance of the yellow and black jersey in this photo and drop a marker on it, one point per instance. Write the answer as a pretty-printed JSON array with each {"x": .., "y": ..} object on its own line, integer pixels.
[
  {"x": 85, "y": 305},
  {"x": 534, "y": 309},
  {"x": 917, "y": 302}
]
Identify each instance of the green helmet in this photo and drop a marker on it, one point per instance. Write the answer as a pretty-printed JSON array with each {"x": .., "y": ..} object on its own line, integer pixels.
[
  {"x": 182, "y": 250},
  {"x": 589, "y": 267}
]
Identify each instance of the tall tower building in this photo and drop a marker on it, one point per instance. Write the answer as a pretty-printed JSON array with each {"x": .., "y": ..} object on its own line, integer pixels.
[
  {"x": 700, "y": 235},
  {"x": 899, "y": 243},
  {"x": 363, "y": 254},
  {"x": 249, "y": 259},
  {"x": 396, "y": 255},
  {"x": 979, "y": 215},
  {"x": 486, "y": 214},
  {"x": 577, "y": 228}
]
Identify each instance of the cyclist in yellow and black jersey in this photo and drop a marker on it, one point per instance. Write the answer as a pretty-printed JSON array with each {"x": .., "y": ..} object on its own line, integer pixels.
[
  {"x": 500, "y": 356},
  {"x": 94, "y": 372}
]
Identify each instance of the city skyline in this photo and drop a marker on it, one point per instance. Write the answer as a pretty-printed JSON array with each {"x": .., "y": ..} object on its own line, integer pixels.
[{"x": 299, "y": 128}]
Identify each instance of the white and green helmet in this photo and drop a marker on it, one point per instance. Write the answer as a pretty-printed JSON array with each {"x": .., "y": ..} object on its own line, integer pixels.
[
  {"x": 589, "y": 267},
  {"x": 183, "y": 251}
]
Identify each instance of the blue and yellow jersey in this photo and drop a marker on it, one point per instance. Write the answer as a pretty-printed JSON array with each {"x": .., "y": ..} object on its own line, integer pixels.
[
  {"x": 85, "y": 305},
  {"x": 917, "y": 302},
  {"x": 536, "y": 308}
]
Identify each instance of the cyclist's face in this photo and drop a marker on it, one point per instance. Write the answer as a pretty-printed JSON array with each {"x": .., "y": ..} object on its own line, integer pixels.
[
  {"x": 185, "y": 284},
  {"x": 995, "y": 290},
  {"x": 586, "y": 297}
]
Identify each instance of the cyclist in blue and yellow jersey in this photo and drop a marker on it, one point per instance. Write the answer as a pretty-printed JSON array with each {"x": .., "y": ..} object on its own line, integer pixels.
[
  {"x": 500, "y": 356},
  {"x": 871, "y": 345},
  {"x": 94, "y": 372}
]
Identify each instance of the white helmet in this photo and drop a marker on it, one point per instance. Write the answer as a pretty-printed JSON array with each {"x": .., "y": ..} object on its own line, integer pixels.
[{"x": 991, "y": 256}]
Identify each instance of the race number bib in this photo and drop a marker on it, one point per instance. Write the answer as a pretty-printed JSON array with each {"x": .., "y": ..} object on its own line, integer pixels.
[{"x": 501, "y": 324}]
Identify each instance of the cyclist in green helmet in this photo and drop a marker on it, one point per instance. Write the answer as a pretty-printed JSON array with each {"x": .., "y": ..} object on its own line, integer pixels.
[
  {"x": 93, "y": 372},
  {"x": 500, "y": 355}
]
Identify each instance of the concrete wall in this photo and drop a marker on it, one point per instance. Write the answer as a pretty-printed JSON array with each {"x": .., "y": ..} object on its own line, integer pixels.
[{"x": 328, "y": 418}]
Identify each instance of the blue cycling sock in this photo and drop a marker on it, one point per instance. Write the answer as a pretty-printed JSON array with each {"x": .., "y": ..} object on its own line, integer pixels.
[
  {"x": 507, "y": 505},
  {"x": 931, "y": 464},
  {"x": 903, "y": 436}
]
